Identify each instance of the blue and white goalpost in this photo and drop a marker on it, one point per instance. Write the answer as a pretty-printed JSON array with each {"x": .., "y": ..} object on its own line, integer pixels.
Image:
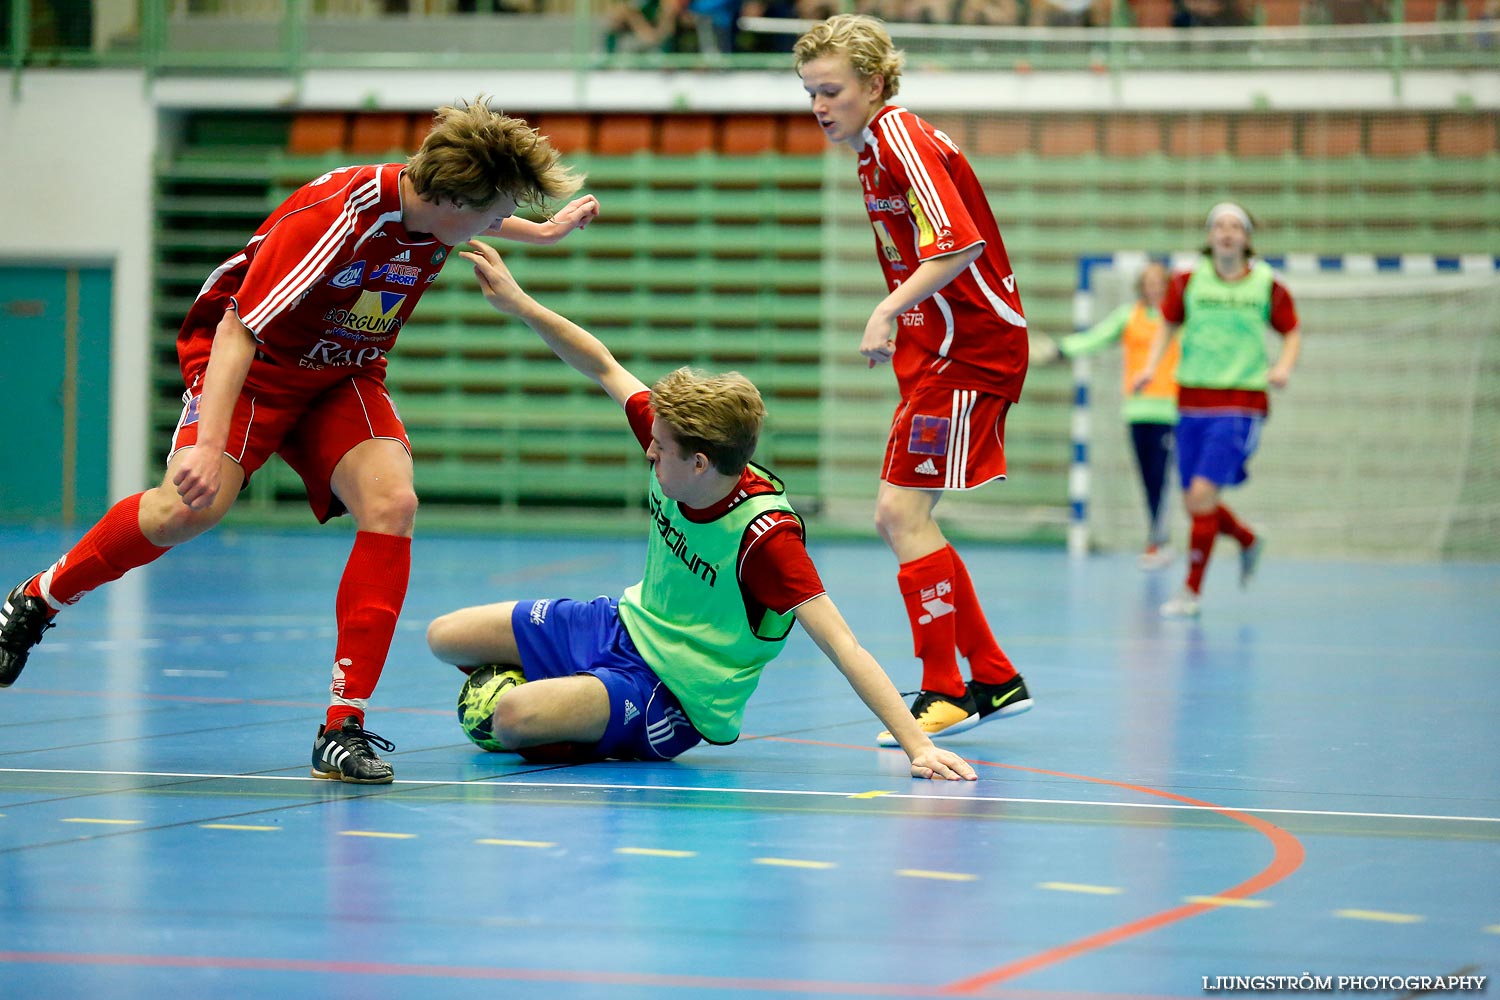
[{"x": 1385, "y": 443}]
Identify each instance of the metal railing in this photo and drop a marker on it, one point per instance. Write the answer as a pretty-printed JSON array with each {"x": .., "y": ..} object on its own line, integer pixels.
[{"x": 294, "y": 36}]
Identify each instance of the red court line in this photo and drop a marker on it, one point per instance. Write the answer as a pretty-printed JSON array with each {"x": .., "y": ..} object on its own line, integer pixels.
[{"x": 1286, "y": 858}]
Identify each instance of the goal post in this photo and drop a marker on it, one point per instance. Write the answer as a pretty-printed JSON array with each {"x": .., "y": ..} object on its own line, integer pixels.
[{"x": 1386, "y": 443}]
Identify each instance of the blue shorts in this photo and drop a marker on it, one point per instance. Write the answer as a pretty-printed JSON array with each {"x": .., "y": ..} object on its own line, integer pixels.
[
  {"x": 563, "y": 637},
  {"x": 1216, "y": 447}
]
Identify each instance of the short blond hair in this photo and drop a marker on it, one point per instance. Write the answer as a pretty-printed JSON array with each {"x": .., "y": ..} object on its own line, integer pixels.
[
  {"x": 718, "y": 415},
  {"x": 860, "y": 37},
  {"x": 473, "y": 156}
]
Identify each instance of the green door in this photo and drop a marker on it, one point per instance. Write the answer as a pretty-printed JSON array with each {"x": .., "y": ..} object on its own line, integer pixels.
[{"x": 54, "y": 393}]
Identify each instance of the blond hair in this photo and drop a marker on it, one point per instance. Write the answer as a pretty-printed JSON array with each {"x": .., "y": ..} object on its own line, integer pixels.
[
  {"x": 473, "y": 156},
  {"x": 860, "y": 37},
  {"x": 718, "y": 415}
]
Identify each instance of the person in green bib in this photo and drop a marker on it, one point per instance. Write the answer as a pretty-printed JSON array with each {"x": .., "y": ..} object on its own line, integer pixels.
[
  {"x": 1150, "y": 414},
  {"x": 673, "y": 661},
  {"x": 1221, "y": 308}
]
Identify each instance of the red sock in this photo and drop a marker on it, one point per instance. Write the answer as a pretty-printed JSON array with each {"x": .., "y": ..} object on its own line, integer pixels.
[
  {"x": 975, "y": 640},
  {"x": 1200, "y": 547},
  {"x": 1231, "y": 525},
  {"x": 927, "y": 588},
  {"x": 369, "y": 601},
  {"x": 111, "y": 548}
]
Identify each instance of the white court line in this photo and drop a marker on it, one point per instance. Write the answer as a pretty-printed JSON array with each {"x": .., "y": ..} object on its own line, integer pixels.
[{"x": 606, "y": 786}]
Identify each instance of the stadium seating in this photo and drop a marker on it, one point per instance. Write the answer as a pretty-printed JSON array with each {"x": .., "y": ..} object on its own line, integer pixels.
[
  {"x": 569, "y": 133},
  {"x": 723, "y": 248},
  {"x": 1332, "y": 135},
  {"x": 686, "y": 134},
  {"x": 1132, "y": 135},
  {"x": 745, "y": 135},
  {"x": 314, "y": 132},
  {"x": 381, "y": 133}
]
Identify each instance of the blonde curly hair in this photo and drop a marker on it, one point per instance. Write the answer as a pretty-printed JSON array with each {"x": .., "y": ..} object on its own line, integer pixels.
[{"x": 860, "y": 37}]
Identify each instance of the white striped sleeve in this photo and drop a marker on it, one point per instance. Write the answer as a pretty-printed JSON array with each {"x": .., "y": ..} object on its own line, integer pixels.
[
  {"x": 318, "y": 258},
  {"x": 899, "y": 139}
]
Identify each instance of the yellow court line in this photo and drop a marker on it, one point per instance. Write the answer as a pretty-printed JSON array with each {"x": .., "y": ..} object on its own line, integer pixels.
[
  {"x": 108, "y": 822},
  {"x": 941, "y": 876},
  {"x": 1492, "y": 929},
  {"x": 869, "y": 795},
  {"x": 1380, "y": 916},
  {"x": 1093, "y": 890},
  {"x": 236, "y": 826},
  {"x": 1249, "y": 904},
  {"x": 794, "y": 863},
  {"x": 377, "y": 834},
  {"x": 500, "y": 842},
  {"x": 656, "y": 852}
]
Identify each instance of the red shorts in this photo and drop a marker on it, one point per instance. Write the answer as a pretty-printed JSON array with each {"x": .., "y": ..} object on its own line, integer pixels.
[
  {"x": 310, "y": 433},
  {"x": 946, "y": 439}
]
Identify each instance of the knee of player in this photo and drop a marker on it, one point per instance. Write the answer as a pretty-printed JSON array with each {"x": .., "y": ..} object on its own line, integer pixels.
[
  {"x": 392, "y": 510},
  {"x": 891, "y": 521},
  {"x": 166, "y": 520},
  {"x": 1200, "y": 501},
  {"x": 517, "y": 721},
  {"x": 442, "y": 633}
]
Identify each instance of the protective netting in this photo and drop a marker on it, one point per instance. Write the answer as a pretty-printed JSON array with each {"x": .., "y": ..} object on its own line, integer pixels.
[{"x": 1385, "y": 444}]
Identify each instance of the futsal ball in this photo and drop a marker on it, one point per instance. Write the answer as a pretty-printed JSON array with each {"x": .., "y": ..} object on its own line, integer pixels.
[{"x": 476, "y": 703}]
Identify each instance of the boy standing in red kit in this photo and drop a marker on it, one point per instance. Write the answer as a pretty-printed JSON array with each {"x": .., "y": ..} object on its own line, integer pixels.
[
  {"x": 284, "y": 352},
  {"x": 960, "y": 356}
]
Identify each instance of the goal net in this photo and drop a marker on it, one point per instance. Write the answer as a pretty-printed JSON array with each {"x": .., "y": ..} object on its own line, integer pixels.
[{"x": 1385, "y": 443}]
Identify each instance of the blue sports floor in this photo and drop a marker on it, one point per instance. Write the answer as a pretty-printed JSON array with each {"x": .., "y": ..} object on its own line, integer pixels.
[{"x": 1305, "y": 781}]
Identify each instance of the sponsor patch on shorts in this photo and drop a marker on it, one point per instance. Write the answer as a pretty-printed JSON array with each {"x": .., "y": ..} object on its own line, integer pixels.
[
  {"x": 190, "y": 412},
  {"x": 929, "y": 435}
]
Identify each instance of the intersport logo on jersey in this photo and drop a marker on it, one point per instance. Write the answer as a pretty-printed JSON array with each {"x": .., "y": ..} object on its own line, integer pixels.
[{"x": 896, "y": 206}]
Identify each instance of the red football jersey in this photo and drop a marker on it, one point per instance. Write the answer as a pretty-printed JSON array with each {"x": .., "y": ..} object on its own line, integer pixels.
[
  {"x": 325, "y": 284},
  {"x": 924, "y": 202}
]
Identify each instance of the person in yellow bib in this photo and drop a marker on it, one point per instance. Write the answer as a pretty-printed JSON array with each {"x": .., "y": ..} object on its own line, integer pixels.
[
  {"x": 1222, "y": 308},
  {"x": 1150, "y": 414},
  {"x": 673, "y": 661}
]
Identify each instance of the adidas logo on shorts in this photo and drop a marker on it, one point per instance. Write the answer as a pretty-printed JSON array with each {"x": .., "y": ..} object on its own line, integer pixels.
[
  {"x": 630, "y": 711},
  {"x": 928, "y": 469}
]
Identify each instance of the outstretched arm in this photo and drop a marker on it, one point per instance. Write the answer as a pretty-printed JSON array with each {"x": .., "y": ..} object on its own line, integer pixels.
[
  {"x": 576, "y": 214},
  {"x": 568, "y": 340},
  {"x": 828, "y": 629}
]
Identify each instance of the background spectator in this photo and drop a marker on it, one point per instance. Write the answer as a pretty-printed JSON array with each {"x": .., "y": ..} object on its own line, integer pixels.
[
  {"x": 1208, "y": 14},
  {"x": 640, "y": 25},
  {"x": 1069, "y": 13},
  {"x": 996, "y": 13}
]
